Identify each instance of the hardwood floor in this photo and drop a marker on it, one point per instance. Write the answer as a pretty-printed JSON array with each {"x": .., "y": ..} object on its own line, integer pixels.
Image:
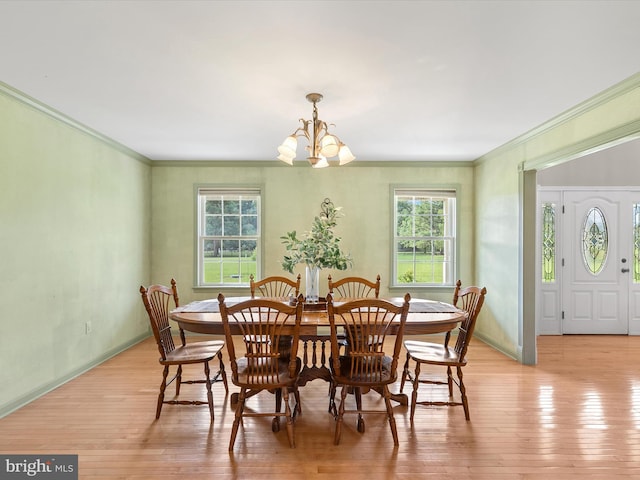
[{"x": 574, "y": 415}]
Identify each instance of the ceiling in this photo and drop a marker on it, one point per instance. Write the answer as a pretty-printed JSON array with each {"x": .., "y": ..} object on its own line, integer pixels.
[{"x": 402, "y": 80}]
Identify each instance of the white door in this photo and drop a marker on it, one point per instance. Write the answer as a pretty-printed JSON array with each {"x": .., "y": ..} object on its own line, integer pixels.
[{"x": 597, "y": 255}]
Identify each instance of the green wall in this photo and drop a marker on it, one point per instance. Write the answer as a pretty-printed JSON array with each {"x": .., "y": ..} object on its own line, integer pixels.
[
  {"x": 291, "y": 198},
  {"x": 74, "y": 237},
  {"x": 497, "y": 257},
  {"x": 505, "y": 207}
]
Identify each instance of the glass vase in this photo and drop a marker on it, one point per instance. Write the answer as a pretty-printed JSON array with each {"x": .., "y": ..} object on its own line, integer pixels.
[{"x": 312, "y": 284}]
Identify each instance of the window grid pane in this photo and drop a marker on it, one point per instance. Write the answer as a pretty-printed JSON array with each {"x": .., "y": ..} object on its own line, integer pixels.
[
  {"x": 424, "y": 238},
  {"x": 229, "y": 226},
  {"x": 548, "y": 243},
  {"x": 595, "y": 241},
  {"x": 636, "y": 243}
]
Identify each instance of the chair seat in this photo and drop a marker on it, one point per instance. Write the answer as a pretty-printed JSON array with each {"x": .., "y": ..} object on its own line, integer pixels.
[
  {"x": 247, "y": 378},
  {"x": 434, "y": 353},
  {"x": 417, "y": 344},
  {"x": 385, "y": 376},
  {"x": 195, "y": 352}
]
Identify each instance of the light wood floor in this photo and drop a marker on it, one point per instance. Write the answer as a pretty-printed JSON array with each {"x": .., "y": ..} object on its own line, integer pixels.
[{"x": 574, "y": 415}]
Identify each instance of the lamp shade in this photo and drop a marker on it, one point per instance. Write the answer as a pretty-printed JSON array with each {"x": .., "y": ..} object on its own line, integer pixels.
[
  {"x": 285, "y": 159},
  {"x": 345, "y": 155},
  {"x": 288, "y": 149},
  {"x": 318, "y": 162},
  {"x": 329, "y": 146}
]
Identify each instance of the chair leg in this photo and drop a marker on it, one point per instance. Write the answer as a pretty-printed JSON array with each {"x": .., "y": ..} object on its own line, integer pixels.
[
  {"x": 207, "y": 379},
  {"x": 236, "y": 421},
  {"x": 357, "y": 393},
  {"x": 405, "y": 372},
  {"x": 278, "y": 394},
  {"x": 332, "y": 398},
  {"x": 450, "y": 383},
  {"x": 414, "y": 394},
  {"x": 276, "y": 419},
  {"x": 296, "y": 394},
  {"x": 463, "y": 394},
  {"x": 339, "y": 419},
  {"x": 392, "y": 420},
  {"x": 178, "y": 380},
  {"x": 287, "y": 412},
  {"x": 223, "y": 373},
  {"x": 163, "y": 386}
]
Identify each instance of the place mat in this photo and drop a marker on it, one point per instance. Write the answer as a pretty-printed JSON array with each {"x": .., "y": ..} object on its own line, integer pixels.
[
  {"x": 430, "y": 306},
  {"x": 416, "y": 305},
  {"x": 208, "y": 306},
  {"x": 420, "y": 305}
]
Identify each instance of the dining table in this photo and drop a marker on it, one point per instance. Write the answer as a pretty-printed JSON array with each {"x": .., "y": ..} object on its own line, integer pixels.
[{"x": 424, "y": 317}]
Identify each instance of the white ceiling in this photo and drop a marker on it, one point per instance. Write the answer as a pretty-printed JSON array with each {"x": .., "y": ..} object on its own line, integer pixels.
[{"x": 402, "y": 80}]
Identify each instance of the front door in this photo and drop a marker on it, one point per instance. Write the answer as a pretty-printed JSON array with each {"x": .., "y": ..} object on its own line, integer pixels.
[{"x": 597, "y": 255}]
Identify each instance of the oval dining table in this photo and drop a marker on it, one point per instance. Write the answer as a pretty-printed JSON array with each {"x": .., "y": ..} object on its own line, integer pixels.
[{"x": 424, "y": 317}]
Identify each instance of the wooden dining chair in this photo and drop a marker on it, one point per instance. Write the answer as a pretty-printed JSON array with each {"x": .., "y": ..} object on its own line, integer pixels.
[
  {"x": 365, "y": 366},
  {"x": 275, "y": 286},
  {"x": 262, "y": 365},
  {"x": 469, "y": 299},
  {"x": 349, "y": 288},
  {"x": 157, "y": 300}
]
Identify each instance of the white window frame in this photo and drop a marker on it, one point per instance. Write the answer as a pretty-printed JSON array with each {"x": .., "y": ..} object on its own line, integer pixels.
[
  {"x": 204, "y": 193},
  {"x": 449, "y": 238}
]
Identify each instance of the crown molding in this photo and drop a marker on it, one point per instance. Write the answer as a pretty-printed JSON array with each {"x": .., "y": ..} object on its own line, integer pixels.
[
  {"x": 302, "y": 164},
  {"x": 606, "y": 139},
  {"x": 602, "y": 141},
  {"x": 31, "y": 102}
]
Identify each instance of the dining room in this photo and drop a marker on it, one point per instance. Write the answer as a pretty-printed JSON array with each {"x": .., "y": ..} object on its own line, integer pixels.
[{"x": 87, "y": 219}]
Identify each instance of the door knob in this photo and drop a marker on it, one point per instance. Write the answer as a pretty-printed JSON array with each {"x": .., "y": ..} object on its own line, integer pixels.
[{"x": 624, "y": 270}]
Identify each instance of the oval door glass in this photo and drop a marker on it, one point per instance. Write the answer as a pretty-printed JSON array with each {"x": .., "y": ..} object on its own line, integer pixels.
[{"x": 595, "y": 241}]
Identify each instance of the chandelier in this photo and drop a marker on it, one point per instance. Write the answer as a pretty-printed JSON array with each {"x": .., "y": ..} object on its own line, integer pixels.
[{"x": 322, "y": 145}]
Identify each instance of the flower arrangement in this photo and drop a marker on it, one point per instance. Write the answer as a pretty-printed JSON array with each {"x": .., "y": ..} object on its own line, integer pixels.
[{"x": 319, "y": 248}]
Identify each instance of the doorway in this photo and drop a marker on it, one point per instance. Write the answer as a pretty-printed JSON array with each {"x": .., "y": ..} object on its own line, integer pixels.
[{"x": 588, "y": 250}]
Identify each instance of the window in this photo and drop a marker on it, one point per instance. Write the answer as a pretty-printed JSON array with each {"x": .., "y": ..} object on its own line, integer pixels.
[
  {"x": 595, "y": 241},
  {"x": 636, "y": 243},
  {"x": 228, "y": 236},
  {"x": 424, "y": 237},
  {"x": 548, "y": 242}
]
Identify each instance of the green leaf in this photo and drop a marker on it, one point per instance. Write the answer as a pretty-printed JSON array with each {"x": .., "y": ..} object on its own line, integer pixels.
[{"x": 319, "y": 247}]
